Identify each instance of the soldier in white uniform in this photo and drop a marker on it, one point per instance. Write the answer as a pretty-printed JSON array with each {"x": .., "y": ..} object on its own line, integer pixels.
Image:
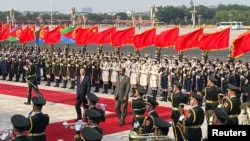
[
  {"x": 143, "y": 73},
  {"x": 134, "y": 75},
  {"x": 105, "y": 66},
  {"x": 154, "y": 77},
  {"x": 114, "y": 68}
]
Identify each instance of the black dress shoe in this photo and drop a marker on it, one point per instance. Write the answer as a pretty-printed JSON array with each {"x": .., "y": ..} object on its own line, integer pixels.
[
  {"x": 121, "y": 123},
  {"x": 27, "y": 103}
]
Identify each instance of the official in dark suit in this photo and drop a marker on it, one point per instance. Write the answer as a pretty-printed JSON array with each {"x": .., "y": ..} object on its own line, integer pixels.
[
  {"x": 194, "y": 119},
  {"x": 83, "y": 88},
  {"x": 38, "y": 121},
  {"x": 121, "y": 96}
]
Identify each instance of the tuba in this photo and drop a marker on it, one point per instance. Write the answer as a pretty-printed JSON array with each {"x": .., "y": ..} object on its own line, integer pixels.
[
  {"x": 246, "y": 118},
  {"x": 133, "y": 136}
]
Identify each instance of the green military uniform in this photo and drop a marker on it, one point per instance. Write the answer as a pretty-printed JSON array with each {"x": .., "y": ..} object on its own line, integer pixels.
[
  {"x": 138, "y": 106},
  {"x": 94, "y": 99},
  {"x": 162, "y": 128},
  {"x": 38, "y": 122},
  {"x": 89, "y": 134}
]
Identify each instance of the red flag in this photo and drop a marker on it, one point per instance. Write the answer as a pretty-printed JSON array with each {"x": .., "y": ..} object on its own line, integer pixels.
[
  {"x": 27, "y": 34},
  {"x": 215, "y": 41},
  {"x": 4, "y": 32},
  {"x": 241, "y": 45},
  {"x": 85, "y": 36},
  {"x": 167, "y": 38},
  {"x": 123, "y": 37},
  {"x": 188, "y": 41},
  {"x": 53, "y": 36},
  {"x": 104, "y": 37},
  {"x": 144, "y": 39}
]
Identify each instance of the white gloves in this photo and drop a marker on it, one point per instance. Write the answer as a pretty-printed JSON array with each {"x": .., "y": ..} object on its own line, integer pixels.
[
  {"x": 181, "y": 118},
  {"x": 197, "y": 77},
  {"x": 102, "y": 106},
  {"x": 5, "y": 135},
  {"x": 78, "y": 125},
  {"x": 219, "y": 106},
  {"x": 136, "y": 124},
  {"x": 184, "y": 75},
  {"x": 28, "y": 114},
  {"x": 172, "y": 73}
]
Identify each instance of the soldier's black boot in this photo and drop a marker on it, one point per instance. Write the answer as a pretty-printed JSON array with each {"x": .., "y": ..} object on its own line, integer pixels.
[
  {"x": 96, "y": 87},
  {"x": 4, "y": 77},
  {"x": 48, "y": 82},
  {"x": 105, "y": 88},
  {"x": 17, "y": 79},
  {"x": 154, "y": 94},
  {"x": 64, "y": 84},
  {"x": 163, "y": 96},
  {"x": 57, "y": 83},
  {"x": 166, "y": 96},
  {"x": 38, "y": 80},
  {"x": 133, "y": 92},
  {"x": 113, "y": 90},
  {"x": 28, "y": 100},
  {"x": 74, "y": 83}
]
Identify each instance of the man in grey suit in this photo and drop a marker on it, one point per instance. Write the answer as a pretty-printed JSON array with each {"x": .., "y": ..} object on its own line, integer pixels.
[{"x": 121, "y": 96}]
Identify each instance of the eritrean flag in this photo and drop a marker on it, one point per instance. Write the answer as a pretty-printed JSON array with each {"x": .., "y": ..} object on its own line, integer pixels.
[
  {"x": 15, "y": 33},
  {"x": 40, "y": 34},
  {"x": 68, "y": 35}
]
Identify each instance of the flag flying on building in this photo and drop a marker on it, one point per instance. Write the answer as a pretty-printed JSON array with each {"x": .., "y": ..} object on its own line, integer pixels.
[
  {"x": 215, "y": 41},
  {"x": 144, "y": 39},
  {"x": 188, "y": 40},
  {"x": 68, "y": 35},
  {"x": 27, "y": 34},
  {"x": 104, "y": 37},
  {"x": 53, "y": 36},
  {"x": 241, "y": 45},
  {"x": 122, "y": 37},
  {"x": 167, "y": 38},
  {"x": 15, "y": 33}
]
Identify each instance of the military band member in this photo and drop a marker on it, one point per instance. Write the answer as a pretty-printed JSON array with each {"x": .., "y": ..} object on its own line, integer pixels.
[
  {"x": 232, "y": 104},
  {"x": 162, "y": 127},
  {"x": 164, "y": 78},
  {"x": 105, "y": 66},
  {"x": 114, "y": 68},
  {"x": 154, "y": 77},
  {"x": 134, "y": 74},
  {"x": 148, "y": 125},
  {"x": 48, "y": 70},
  {"x": 143, "y": 73},
  {"x": 138, "y": 106},
  {"x": 38, "y": 121},
  {"x": 194, "y": 119},
  {"x": 177, "y": 98},
  {"x": 211, "y": 95},
  {"x": 87, "y": 134},
  {"x": 56, "y": 70},
  {"x": 94, "y": 117}
]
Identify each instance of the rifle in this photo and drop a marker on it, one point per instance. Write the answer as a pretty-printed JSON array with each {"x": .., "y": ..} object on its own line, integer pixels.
[{"x": 36, "y": 88}]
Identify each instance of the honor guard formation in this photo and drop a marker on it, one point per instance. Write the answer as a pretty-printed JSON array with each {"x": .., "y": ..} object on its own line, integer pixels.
[{"x": 222, "y": 86}]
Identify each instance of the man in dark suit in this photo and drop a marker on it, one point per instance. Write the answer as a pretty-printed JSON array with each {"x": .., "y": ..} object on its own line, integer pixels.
[
  {"x": 83, "y": 88},
  {"x": 38, "y": 121},
  {"x": 121, "y": 96}
]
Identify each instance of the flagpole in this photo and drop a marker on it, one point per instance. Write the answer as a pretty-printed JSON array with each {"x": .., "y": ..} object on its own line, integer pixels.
[
  {"x": 51, "y": 13},
  {"x": 230, "y": 46}
]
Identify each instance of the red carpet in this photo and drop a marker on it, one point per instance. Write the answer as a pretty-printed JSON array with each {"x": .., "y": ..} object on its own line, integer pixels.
[{"x": 56, "y": 131}]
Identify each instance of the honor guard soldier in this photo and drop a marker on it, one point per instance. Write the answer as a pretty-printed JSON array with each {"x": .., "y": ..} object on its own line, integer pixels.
[
  {"x": 16, "y": 68},
  {"x": 162, "y": 127},
  {"x": 48, "y": 70},
  {"x": 200, "y": 76},
  {"x": 105, "y": 66},
  {"x": 175, "y": 71},
  {"x": 232, "y": 104},
  {"x": 94, "y": 117},
  {"x": 114, "y": 68},
  {"x": 20, "y": 125},
  {"x": 64, "y": 72},
  {"x": 187, "y": 78},
  {"x": 154, "y": 77},
  {"x": 164, "y": 78},
  {"x": 148, "y": 125},
  {"x": 177, "y": 98},
  {"x": 92, "y": 103},
  {"x": 31, "y": 78},
  {"x": 245, "y": 73},
  {"x": 72, "y": 72},
  {"x": 143, "y": 73},
  {"x": 96, "y": 74},
  {"x": 211, "y": 95},
  {"x": 88, "y": 64},
  {"x": 9, "y": 67},
  {"x": 226, "y": 75},
  {"x": 87, "y": 134},
  {"x": 133, "y": 74},
  {"x": 56, "y": 70},
  {"x": 38, "y": 121},
  {"x": 138, "y": 106},
  {"x": 3, "y": 66},
  {"x": 194, "y": 119}
]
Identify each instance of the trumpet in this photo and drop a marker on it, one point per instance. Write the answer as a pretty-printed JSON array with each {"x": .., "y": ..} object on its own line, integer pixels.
[
  {"x": 9, "y": 134},
  {"x": 72, "y": 125},
  {"x": 101, "y": 106}
]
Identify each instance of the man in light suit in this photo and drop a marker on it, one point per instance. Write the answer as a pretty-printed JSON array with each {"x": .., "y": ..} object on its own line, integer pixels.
[
  {"x": 121, "y": 96},
  {"x": 83, "y": 88}
]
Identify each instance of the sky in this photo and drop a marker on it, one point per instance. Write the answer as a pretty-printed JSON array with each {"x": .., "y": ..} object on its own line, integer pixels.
[{"x": 64, "y": 6}]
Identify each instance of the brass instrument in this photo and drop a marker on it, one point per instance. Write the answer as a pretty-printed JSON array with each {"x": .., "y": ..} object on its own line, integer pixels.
[
  {"x": 72, "y": 125},
  {"x": 220, "y": 99},
  {"x": 181, "y": 110},
  {"x": 133, "y": 136},
  {"x": 246, "y": 118}
]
